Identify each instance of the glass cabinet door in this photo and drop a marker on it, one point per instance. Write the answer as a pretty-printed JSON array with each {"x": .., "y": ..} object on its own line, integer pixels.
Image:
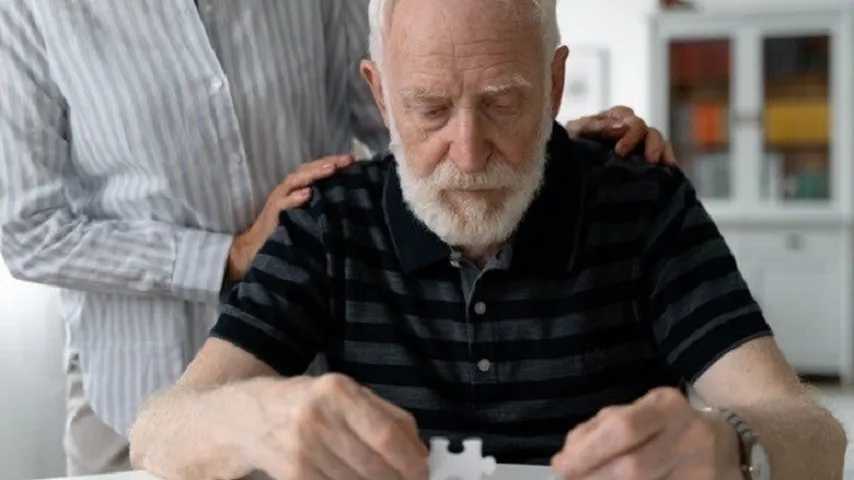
[
  {"x": 797, "y": 118},
  {"x": 700, "y": 98}
]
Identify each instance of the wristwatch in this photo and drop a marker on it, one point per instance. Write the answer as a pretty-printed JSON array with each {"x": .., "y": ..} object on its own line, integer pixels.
[{"x": 754, "y": 458}]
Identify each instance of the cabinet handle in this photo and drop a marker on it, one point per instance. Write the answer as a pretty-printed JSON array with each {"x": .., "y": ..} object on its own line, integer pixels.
[{"x": 795, "y": 242}]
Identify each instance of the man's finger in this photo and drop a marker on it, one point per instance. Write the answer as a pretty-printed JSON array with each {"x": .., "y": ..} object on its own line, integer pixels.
[
  {"x": 634, "y": 136},
  {"x": 585, "y": 428},
  {"x": 653, "y": 459},
  {"x": 396, "y": 412},
  {"x": 619, "y": 430},
  {"x": 391, "y": 436},
  {"x": 658, "y": 457},
  {"x": 345, "y": 456},
  {"x": 360, "y": 457},
  {"x": 278, "y": 466},
  {"x": 404, "y": 419},
  {"x": 580, "y": 431}
]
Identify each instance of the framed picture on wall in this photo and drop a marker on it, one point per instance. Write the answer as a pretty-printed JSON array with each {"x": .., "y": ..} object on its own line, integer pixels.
[{"x": 587, "y": 87}]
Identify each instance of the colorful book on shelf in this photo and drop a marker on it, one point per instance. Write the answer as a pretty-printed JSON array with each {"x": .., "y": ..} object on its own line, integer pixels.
[
  {"x": 710, "y": 123},
  {"x": 698, "y": 63},
  {"x": 797, "y": 122}
]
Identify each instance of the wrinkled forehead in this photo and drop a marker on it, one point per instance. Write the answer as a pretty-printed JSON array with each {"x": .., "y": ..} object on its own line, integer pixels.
[{"x": 463, "y": 34}]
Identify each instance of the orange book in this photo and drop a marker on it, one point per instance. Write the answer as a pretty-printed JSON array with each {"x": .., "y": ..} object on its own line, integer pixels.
[{"x": 709, "y": 124}]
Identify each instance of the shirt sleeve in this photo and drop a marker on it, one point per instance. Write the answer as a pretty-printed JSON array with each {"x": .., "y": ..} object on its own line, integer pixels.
[
  {"x": 44, "y": 238},
  {"x": 348, "y": 35},
  {"x": 698, "y": 301},
  {"x": 280, "y": 312}
]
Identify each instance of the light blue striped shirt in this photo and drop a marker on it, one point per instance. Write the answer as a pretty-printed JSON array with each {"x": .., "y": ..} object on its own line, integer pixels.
[{"x": 138, "y": 136}]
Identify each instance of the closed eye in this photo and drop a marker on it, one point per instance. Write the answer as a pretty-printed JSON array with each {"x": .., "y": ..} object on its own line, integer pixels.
[
  {"x": 503, "y": 102},
  {"x": 435, "y": 112}
]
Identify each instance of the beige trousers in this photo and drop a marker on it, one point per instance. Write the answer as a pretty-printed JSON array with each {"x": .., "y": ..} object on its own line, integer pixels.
[{"x": 91, "y": 447}]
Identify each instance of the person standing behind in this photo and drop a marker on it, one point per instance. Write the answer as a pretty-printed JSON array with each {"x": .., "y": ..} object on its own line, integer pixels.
[{"x": 142, "y": 147}]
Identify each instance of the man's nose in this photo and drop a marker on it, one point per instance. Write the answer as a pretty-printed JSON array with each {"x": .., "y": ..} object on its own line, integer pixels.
[{"x": 470, "y": 148}]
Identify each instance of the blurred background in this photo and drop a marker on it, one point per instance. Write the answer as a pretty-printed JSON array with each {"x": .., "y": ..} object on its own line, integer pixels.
[{"x": 757, "y": 97}]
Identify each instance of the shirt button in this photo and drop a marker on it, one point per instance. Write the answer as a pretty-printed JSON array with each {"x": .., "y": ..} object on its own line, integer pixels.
[
  {"x": 480, "y": 308},
  {"x": 455, "y": 259},
  {"x": 217, "y": 84},
  {"x": 237, "y": 158},
  {"x": 484, "y": 365}
]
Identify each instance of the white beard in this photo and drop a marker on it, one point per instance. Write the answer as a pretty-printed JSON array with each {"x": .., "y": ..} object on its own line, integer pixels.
[{"x": 472, "y": 223}]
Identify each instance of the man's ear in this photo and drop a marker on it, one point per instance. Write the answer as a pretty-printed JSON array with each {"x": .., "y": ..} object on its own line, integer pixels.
[
  {"x": 558, "y": 78},
  {"x": 372, "y": 75}
]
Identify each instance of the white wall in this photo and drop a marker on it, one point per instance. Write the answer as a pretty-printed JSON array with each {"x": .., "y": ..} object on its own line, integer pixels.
[
  {"x": 622, "y": 27},
  {"x": 31, "y": 381}
]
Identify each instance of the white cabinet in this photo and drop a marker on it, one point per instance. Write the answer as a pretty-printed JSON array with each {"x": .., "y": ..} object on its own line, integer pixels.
[
  {"x": 759, "y": 107},
  {"x": 798, "y": 279}
]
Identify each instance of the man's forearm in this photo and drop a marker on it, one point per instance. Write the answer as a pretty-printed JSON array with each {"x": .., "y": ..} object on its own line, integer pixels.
[
  {"x": 199, "y": 434},
  {"x": 803, "y": 440}
]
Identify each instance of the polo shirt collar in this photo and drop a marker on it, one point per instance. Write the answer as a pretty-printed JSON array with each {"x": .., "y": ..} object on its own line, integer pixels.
[
  {"x": 545, "y": 240},
  {"x": 417, "y": 247}
]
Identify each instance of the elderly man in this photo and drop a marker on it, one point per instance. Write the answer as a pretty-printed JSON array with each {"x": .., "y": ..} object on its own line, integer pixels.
[
  {"x": 143, "y": 145},
  {"x": 490, "y": 278}
]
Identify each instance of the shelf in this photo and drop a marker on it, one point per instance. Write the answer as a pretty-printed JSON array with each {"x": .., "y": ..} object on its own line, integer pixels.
[
  {"x": 802, "y": 213},
  {"x": 797, "y": 147},
  {"x": 701, "y": 148}
]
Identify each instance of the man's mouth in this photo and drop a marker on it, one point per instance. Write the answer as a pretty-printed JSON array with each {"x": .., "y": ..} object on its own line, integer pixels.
[
  {"x": 489, "y": 195},
  {"x": 476, "y": 190}
]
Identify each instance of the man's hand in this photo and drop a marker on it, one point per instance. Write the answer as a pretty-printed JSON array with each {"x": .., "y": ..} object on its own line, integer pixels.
[
  {"x": 329, "y": 428},
  {"x": 620, "y": 124},
  {"x": 661, "y": 436},
  {"x": 293, "y": 192}
]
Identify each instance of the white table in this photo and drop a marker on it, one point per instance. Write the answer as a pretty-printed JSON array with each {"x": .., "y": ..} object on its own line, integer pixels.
[{"x": 503, "y": 472}]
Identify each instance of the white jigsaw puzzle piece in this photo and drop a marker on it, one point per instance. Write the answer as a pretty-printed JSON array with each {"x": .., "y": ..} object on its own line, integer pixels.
[{"x": 468, "y": 465}]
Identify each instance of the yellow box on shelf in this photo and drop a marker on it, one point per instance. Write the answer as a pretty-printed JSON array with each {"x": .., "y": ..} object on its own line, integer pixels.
[{"x": 797, "y": 122}]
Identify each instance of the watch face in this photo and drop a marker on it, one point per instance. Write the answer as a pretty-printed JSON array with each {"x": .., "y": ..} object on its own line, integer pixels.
[{"x": 760, "y": 466}]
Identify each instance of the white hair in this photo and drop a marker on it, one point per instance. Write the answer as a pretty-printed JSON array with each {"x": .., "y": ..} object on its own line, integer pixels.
[{"x": 381, "y": 12}]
